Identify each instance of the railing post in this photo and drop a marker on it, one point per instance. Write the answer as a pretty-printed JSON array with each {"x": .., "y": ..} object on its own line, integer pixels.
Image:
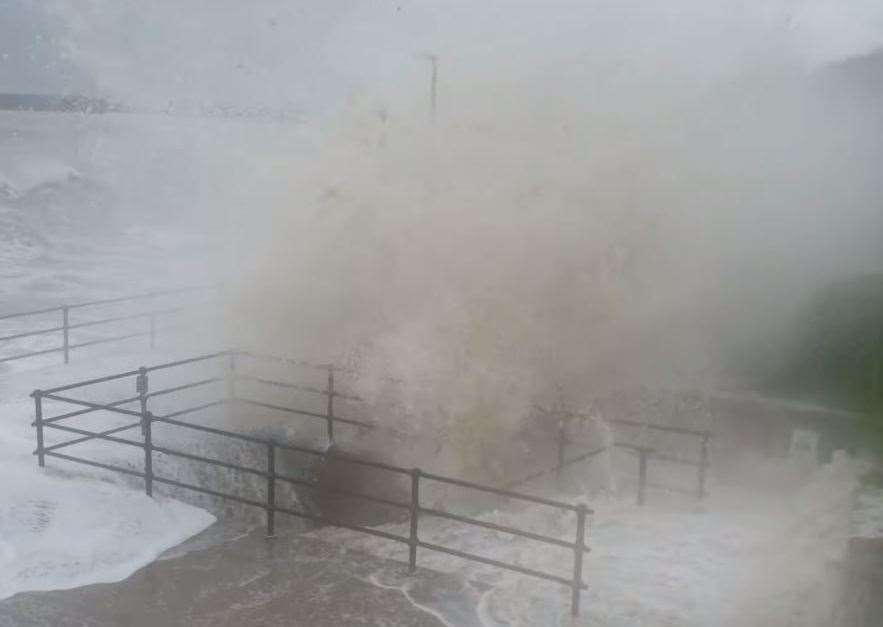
[
  {"x": 38, "y": 422},
  {"x": 271, "y": 490},
  {"x": 146, "y": 420},
  {"x": 65, "y": 324},
  {"x": 415, "y": 516},
  {"x": 330, "y": 404},
  {"x": 141, "y": 387},
  {"x": 703, "y": 466},
  {"x": 152, "y": 322},
  {"x": 578, "y": 549},
  {"x": 642, "y": 474}
]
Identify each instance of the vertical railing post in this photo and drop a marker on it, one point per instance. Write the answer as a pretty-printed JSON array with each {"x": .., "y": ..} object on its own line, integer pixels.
[
  {"x": 578, "y": 549},
  {"x": 65, "y": 325},
  {"x": 146, "y": 420},
  {"x": 152, "y": 323},
  {"x": 38, "y": 422},
  {"x": 562, "y": 442},
  {"x": 642, "y": 474},
  {"x": 415, "y": 516},
  {"x": 703, "y": 466},
  {"x": 330, "y": 404},
  {"x": 271, "y": 490},
  {"x": 141, "y": 387}
]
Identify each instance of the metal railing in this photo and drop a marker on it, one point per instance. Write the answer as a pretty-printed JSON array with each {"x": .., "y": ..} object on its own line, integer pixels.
[
  {"x": 145, "y": 419},
  {"x": 64, "y": 325},
  {"x": 644, "y": 453}
]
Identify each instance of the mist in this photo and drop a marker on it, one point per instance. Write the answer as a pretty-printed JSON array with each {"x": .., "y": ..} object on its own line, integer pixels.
[
  {"x": 531, "y": 243},
  {"x": 605, "y": 198}
]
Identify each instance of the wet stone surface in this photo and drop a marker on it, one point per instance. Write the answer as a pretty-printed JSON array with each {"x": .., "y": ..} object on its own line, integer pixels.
[{"x": 252, "y": 580}]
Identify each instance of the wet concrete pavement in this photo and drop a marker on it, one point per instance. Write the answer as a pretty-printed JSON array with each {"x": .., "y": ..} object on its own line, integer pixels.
[{"x": 251, "y": 580}]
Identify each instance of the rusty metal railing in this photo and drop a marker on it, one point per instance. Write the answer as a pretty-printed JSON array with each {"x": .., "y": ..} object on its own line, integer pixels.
[
  {"x": 65, "y": 326},
  {"x": 145, "y": 418},
  {"x": 644, "y": 453}
]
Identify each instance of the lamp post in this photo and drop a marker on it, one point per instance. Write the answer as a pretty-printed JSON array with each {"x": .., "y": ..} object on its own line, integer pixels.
[{"x": 433, "y": 84}]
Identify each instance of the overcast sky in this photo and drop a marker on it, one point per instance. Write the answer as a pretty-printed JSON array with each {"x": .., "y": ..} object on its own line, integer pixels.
[
  {"x": 31, "y": 59},
  {"x": 274, "y": 51}
]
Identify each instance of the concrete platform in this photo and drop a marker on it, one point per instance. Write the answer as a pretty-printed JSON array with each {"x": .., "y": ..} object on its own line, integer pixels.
[{"x": 289, "y": 580}]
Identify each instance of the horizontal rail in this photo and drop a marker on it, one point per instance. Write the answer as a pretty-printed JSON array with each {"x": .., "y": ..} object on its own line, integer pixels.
[
  {"x": 212, "y": 430},
  {"x": 286, "y": 478},
  {"x": 96, "y": 406},
  {"x": 308, "y": 364},
  {"x": 322, "y": 519},
  {"x": 105, "y": 340},
  {"x": 295, "y": 386},
  {"x": 89, "y": 462},
  {"x": 284, "y": 510},
  {"x": 130, "y": 373},
  {"x": 341, "y": 491},
  {"x": 35, "y": 312},
  {"x": 346, "y": 458},
  {"x": 660, "y": 486},
  {"x": 337, "y": 523},
  {"x": 88, "y": 410},
  {"x": 79, "y": 384},
  {"x": 191, "y": 410},
  {"x": 675, "y": 459},
  {"x": 501, "y": 528},
  {"x": 223, "y": 495},
  {"x": 191, "y": 360},
  {"x": 99, "y": 435},
  {"x": 134, "y": 316},
  {"x": 108, "y": 301},
  {"x": 623, "y": 421},
  {"x": 94, "y": 323},
  {"x": 32, "y": 354},
  {"x": 31, "y": 333},
  {"x": 362, "y": 462},
  {"x": 633, "y": 447},
  {"x": 281, "y": 384},
  {"x": 584, "y": 456},
  {"x": 548, "y": 471},
  {"x": 657, "y": 427},
  {"x": 302, "y": 412},
  {"x": 287, "y": 360},
  {"x": 291, "y": 410},
  {"x": 505, "y": 565},
  {"x": 289, "y": 447},
  {"x": 92, "y": 435},
  {"x": 179, "y": 388},
  {"x": 209, "y": 460},
  {"x": 123, "y": 299},
  {"x": 499, "y": 492}
]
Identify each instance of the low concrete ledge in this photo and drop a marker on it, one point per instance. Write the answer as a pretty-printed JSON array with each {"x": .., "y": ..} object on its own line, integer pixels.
[{"x": 862, "y": 593}]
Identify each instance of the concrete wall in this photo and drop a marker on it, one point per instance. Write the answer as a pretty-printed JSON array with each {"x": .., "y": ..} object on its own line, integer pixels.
[{"x": 861, "y": 599}]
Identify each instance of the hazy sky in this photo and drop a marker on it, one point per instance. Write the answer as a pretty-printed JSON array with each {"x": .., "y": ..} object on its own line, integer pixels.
[
  {"x": 31, "y": 59},
  {"x": 316, "y": 52}
]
